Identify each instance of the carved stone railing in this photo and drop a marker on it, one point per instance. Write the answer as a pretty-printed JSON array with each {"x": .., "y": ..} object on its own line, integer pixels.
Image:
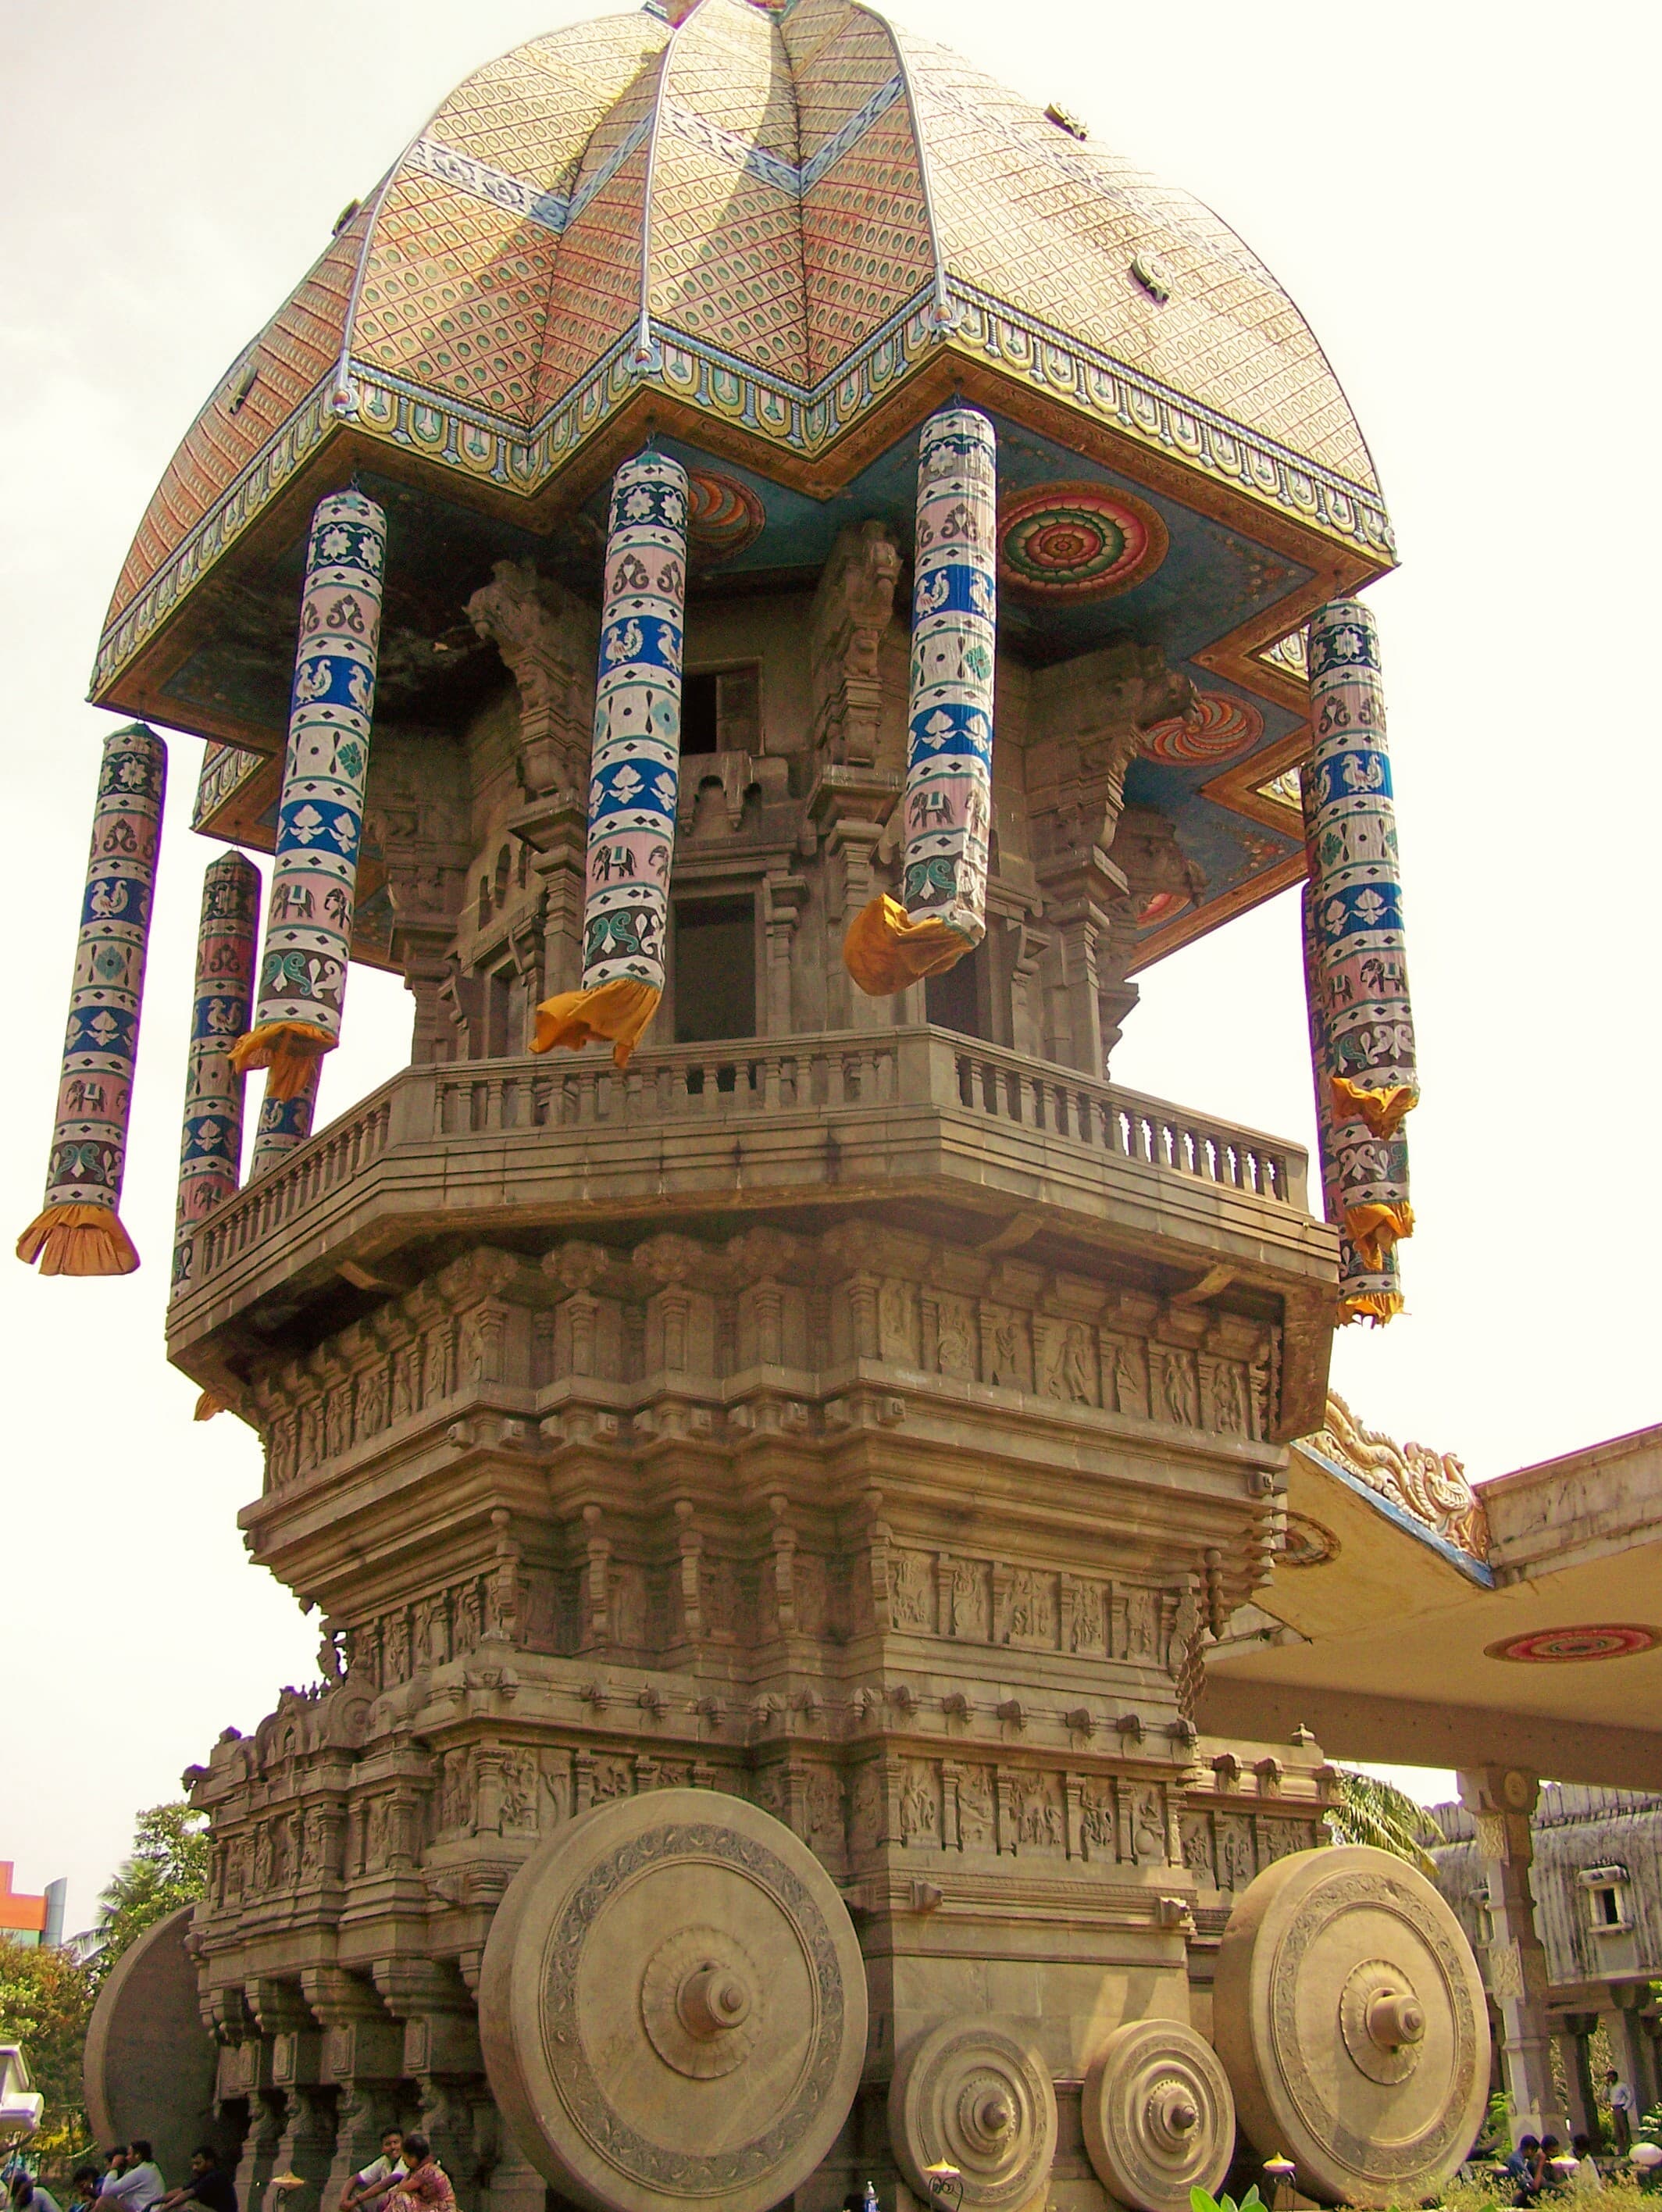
[
  {"x": 1429, "y": 1487},
  {"x": 279, "y": 1197},
  {"x": 1013, "y": 1089},
  {"x": 443, "y": 1112}
]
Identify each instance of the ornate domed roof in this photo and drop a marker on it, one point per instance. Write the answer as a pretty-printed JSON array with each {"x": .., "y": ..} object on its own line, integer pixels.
[{"x": 780, "y": 230}]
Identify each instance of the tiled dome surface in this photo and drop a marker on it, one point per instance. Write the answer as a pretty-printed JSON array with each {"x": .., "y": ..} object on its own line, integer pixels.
[{"x": 746, "y": 203}]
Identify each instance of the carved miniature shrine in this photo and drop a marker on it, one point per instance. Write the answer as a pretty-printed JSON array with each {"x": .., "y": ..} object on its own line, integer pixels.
[{"x": 814, "y": 577}]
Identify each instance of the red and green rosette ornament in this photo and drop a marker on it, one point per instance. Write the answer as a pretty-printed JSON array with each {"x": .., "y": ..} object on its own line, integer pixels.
[{"x": 78, "y": 1231}]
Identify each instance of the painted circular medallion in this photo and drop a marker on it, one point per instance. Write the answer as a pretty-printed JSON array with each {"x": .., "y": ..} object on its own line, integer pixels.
[
  {"x": 1220, "y": 728},
  {"x": 1077, "y": 541},
  {"x": 1588, "y": 1640},
  {"x": 725, "y": 517},
  {"x": 1309, "y": 1543}
]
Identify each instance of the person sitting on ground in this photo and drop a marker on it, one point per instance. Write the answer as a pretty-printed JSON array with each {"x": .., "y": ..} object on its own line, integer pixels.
[
  {"x": 209, "y": 2185},
  {"x": 1587, "y": 2175},
  {"x": 85, "y": 2181},
  {"x": 1519, "y": 2168},
  {"x": 139, "y": 2184},
  {"x": 115, "y": 2162},
  {"x": 387, "y": 2168},
  {"x": 27, "y": 2195},
  {"x": 425, "y": 2180},
  {"x": 1547, "y": 2175}
]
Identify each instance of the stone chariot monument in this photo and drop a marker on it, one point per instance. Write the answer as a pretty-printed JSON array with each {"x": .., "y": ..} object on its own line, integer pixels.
[{"x": 814, "y": 577}]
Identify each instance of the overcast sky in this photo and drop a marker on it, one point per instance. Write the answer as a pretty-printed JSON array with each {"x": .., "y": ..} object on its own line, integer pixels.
[{"x": 1459, "y": 197}]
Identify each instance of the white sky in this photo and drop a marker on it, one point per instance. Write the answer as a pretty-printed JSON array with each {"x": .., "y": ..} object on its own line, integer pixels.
[{"x": 1458, "y": 196}]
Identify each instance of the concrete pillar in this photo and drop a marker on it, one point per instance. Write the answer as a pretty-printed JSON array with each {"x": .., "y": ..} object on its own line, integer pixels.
[
  {"x": 1573, "y": 2032},
  {"x": 1502, "y": 1799}
]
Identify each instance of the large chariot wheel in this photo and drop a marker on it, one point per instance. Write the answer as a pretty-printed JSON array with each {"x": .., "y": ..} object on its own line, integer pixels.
[
  {"x": 149, "y": 2066},
  {"x": 672, "y": 2006},
  {"x": 1350, "y": 2014}
]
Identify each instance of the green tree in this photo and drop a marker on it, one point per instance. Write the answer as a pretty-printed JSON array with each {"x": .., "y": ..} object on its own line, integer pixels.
[
  {"x": 46, "y": 2002},
  {"x": 166, "y": 1868},
  {"x": 1366, "y": 1810}
]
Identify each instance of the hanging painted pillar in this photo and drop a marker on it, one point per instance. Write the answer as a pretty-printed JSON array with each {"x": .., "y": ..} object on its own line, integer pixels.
[
  {"x": 284, "y": 1124},
  {"x": 1352, "y": 843},
  {"x": 1364, "y": 1177},
  {"x": 1369, "y": 1290},
  {"x": 941, "y": 913},
  {"x": 308, "y": 927},
  {"x": 634, "y": 775},
  {"x": 210, "y": 1145},
  {"x": 78, "y": 1231}
]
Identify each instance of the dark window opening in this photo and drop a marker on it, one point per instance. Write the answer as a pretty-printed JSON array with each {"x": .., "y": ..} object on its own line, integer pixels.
[
  {"x": 721, "y": 712},
  {"x": 1607, "y": 1907},
  {"x": 954, "y": 999},
  {"x": 715, "y": 969},
  {"x": 701, "y": 728}
]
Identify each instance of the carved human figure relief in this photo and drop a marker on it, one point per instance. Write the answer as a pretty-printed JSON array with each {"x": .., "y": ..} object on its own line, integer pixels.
[
  {"x": 1066, "y": 1363},
  {"x": 1142, "y": 1626},
  {"x": 1033, "y": 1608},
  {"x": 1086, "y": 1616},
  {"x": 1234, "y": 1852},
  {"x": 824, "y": 1811},
  {"x": 955, "y": 1338},
  {"x": 897, "y": 1323},
  {"x": 519, "y": 1793},
  {"x": 1096, "y": 1819},
  {"x": 1005, "y": 1351},
  {"x": 1175, "y": 1379},
  {"x": 921, "y": 1802},
  {"x": 865, "y": 1822},
  {"x": 1126, "y": 1376},
  {"x": 1197, "y": 1847},
  {"x": 977, "y": 1819},
  {"x": 912, "y": 1589},
  {"x": 1039, "y": 1812}
]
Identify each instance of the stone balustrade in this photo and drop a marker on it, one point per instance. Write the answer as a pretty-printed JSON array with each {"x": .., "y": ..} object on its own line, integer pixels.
[{"x": 780, "y": 1120}]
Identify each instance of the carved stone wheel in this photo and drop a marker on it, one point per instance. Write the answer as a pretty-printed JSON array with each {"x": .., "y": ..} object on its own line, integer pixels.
[
  {"x": 1349, "y": 2015},
  {"x": 1158, "y": 2115},
  {"x": 672, "y": 2006},
  {"x": 981, "y": 2100}
]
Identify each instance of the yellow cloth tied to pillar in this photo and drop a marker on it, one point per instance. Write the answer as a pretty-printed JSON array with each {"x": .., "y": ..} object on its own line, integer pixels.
[
  {"x": 1384, "y": 1111},
  {"x": 78, "y": 1240},
  {"x": 1374, "y": 1230},
  {"x": 618, "y": 1011},
  {"x": 285, "y": 1050},
  {"x": 885, "y": 949}
]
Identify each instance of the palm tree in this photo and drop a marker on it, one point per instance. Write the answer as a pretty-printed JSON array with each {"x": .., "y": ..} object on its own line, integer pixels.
[{"x": 1365, "y": 1810}]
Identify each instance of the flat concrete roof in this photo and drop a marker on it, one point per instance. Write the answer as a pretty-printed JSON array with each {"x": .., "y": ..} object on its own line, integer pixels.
[{"x": 1386, "y": 1625}]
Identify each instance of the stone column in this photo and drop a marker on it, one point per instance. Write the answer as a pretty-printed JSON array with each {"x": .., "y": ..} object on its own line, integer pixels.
[
  {"x": 363, "y": 2061},
  {"x": 1502, "y": 1799},
  {"x": 1572, "y": 2034}
]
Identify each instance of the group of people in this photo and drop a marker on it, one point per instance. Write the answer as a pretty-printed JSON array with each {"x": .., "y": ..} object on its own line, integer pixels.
[
  {"x": 1538, "y": 2166},
  {"x": 132, "y": 2182}
]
